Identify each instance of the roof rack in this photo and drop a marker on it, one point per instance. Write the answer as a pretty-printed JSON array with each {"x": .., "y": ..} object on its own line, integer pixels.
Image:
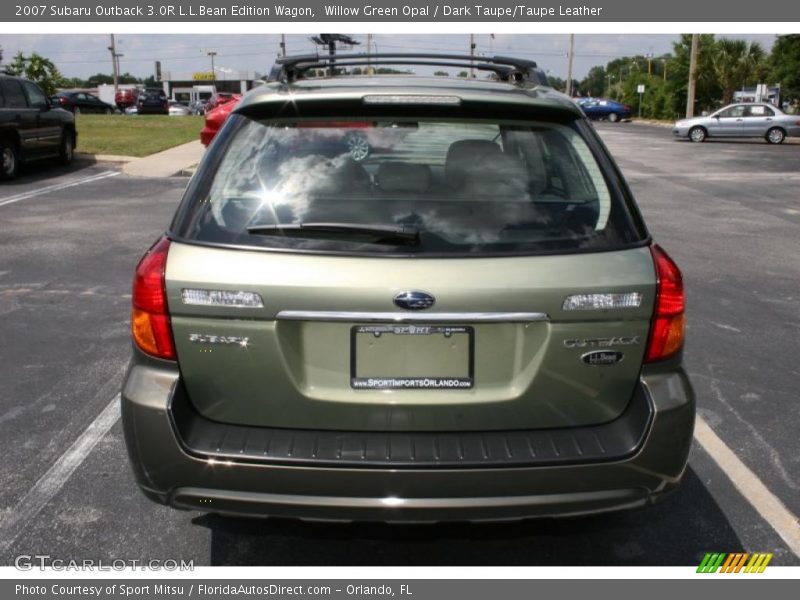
[{"x": 514, "y": 70}]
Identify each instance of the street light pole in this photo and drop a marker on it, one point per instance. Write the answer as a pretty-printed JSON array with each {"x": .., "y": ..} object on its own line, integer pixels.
[
  {"x": 212, "y": 54},
  {"x": 569, "y": 63}
]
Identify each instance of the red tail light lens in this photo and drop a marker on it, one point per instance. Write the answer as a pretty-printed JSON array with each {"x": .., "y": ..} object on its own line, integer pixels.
[
  {"x": 667, "y": 331},
  {"x": 150, "y": 324}
]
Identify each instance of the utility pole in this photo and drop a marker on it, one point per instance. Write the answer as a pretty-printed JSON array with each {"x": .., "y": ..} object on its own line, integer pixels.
[
  {"x": 471, "y": 55},
  {"x": 692, "y": 76},
  {"x": 569, "y": 63},
  {"x": 369, "y": 54},
  {"x": 283, "y": 44},
  {"x": 114, "y": 63}
]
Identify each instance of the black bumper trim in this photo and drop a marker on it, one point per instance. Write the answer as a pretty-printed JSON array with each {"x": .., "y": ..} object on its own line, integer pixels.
[{"x": 613, "y": 441}]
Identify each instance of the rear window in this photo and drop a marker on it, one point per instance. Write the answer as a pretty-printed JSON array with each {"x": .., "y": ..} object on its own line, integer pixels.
[{"x": 461, "y": 187}]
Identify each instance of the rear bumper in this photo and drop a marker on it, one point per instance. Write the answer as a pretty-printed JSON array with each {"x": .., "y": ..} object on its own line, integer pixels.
[{"x": 213, "y": 478}]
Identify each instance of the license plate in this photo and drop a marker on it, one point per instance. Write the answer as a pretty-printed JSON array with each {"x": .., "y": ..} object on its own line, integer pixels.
[{"x": 412, "y": 357}]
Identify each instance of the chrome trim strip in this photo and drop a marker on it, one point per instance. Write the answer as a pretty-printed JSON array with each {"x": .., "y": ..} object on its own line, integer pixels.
[{"x": 420, "y": 317}]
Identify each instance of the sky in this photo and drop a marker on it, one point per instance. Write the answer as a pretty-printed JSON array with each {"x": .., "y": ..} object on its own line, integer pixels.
[{"x": 85, "y": 55}]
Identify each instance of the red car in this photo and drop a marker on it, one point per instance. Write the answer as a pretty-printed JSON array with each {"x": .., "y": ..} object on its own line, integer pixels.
[
  {"x": 125, "y": 98},
  {"x": 215, "y": 117},
  {"x": 221, "y": 98}
]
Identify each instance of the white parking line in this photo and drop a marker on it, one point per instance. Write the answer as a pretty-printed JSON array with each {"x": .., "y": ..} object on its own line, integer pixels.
[
  {"x": 49, "y": 484},
  {"x": 56, "y": 187},
  {"x": 771, "y": 509}
]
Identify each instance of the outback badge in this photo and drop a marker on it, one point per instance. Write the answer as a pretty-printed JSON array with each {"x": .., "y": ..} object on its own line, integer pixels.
[{"x": 600, "y": 358}]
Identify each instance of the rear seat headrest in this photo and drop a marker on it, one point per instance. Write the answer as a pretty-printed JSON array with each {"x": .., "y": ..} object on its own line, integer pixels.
[
  {"x": 466, "y": 156},
  {"x": 403, "y": 177}
]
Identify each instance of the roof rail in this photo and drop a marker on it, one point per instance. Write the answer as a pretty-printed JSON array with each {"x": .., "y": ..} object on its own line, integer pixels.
[{"x": 514, "y": 70}]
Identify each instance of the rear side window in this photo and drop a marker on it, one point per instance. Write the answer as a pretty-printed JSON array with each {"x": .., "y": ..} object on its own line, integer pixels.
[
  {"x": 36, "y": 97},
  {"x": 466, "y": 187},
  {"x": 14, "y": 96}
]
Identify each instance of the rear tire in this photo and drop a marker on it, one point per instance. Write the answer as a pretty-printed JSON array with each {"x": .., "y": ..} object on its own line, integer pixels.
[
  {"x": 697, "y": 134},
  {"x": 613, "y": 117},
  {"x": 776, "y": 135},
  {"x": 66, "y": 152},
  {"x": 9, "y": 160}
]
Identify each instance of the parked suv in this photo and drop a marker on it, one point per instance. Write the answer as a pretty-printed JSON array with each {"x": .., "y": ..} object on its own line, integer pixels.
[
  {"x": 30, "y": 128},
  {"x": 470, "y": 323},
  {"x": 152, "y": 101}
]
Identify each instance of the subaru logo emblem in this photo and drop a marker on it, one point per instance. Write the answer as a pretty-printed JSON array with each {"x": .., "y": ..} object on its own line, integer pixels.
[{"x": 414, "y": 300}]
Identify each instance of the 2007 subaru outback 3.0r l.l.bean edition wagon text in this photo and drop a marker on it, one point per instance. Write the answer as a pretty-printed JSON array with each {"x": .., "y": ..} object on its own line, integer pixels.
[{"x": 407, "y": 299}]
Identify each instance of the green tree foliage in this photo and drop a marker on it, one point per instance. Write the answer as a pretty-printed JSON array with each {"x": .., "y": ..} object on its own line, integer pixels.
[
  {"x": 38, "y": 69},
  {"x": 784, "y": 65},
  {"x": 707, "y": 91},
  {"x": 557, "y": 83},
  {"x": 595, "y": 83},
  {"x": 441, "y": 73},
  {"x": 737, "y": 64}
]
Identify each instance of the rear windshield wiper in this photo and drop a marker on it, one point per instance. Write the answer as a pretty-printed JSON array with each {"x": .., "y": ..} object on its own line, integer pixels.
[{"x": 378, "y": 234}]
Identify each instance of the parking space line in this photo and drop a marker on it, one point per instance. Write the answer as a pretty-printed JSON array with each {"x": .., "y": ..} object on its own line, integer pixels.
[
  {"x": 49, "y": 484},
  {"x": 56, "y": 187},
  {"x": 767, "y": 504}
]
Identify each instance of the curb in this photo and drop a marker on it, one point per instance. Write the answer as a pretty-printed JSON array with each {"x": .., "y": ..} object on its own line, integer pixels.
[{"x": 105, "y": 158}]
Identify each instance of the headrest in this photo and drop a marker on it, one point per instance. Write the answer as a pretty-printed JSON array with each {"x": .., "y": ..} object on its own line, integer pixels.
[
  {"x": 464, "y": 156},
  {"x": 403, "y": 177},
  {"x": 497, "y": 175}
]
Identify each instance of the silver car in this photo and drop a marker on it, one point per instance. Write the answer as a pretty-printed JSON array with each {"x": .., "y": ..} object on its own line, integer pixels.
[{"x": 741, "y": 120}]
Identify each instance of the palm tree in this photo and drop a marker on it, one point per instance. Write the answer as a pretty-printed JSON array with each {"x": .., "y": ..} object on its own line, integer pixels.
[{"x": 736, "y": 62}]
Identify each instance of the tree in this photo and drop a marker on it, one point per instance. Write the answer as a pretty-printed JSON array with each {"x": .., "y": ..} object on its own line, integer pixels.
[
  {"x": 99, "y": 79},
  {"x": 594, "y": 84},
  {"x": 557, "y": 83},
  {"x": 441, "y": 73},
  {"x": 736, "y": 64},
  {"x": 707, "y": 90},
  {"x": 784, "y": 65},
  {"x": 463, "y": 74},
  {"x": 38, "y": 69}
]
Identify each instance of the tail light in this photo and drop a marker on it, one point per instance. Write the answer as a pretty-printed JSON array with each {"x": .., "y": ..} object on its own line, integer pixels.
[
  {"x": 627, "y": 108},
  {"x": 63, "y": 100},
  {"x": 667, "y": 331},
  {"x": 150, "y": 317}
]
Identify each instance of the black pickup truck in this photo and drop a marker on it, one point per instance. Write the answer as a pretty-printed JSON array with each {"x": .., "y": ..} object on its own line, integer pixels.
[{"x": 30, "y": 128}]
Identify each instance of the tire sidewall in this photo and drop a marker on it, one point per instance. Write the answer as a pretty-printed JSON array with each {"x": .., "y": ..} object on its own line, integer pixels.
[
  {"x": 7, "y": 145},
  {"x": 699, "y": 129},
  {"x": 775, "y": 130},
  {"x": 66, "y": 152}
]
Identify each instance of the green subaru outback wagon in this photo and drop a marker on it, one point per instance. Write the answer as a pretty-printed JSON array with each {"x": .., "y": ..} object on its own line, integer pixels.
[{"x": 403, "y": 298}]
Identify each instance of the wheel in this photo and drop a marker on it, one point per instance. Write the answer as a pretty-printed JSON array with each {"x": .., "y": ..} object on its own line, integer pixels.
[
  {"x": 10, "y": 159},
  {"x": 613, "y": 117},
  {"x": 357, "y": 145},
  {"x": 67, "y": 150},
  {"x": 76, "y": 110},
  {"x": 697, "y": 134},
  {"x": 776, "y": 135}
]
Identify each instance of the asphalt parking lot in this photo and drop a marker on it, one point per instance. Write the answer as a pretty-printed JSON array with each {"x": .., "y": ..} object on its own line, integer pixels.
[{"x": 728, "y": 212}]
